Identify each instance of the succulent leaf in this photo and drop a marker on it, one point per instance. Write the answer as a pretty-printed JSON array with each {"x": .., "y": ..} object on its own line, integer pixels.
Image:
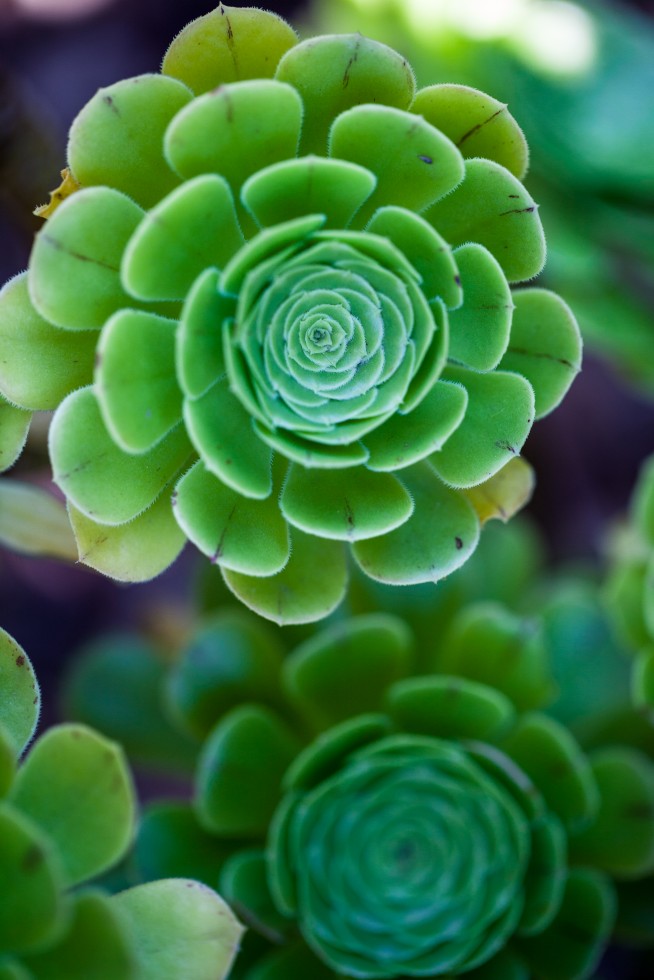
[
  {"x": 136, "y": 551},
  {"x": 31, "y": 875},
  {"x": 179, "y": 927},
  {"x": 116, "y": 140},
  {"x": 477, "y": 124},
  {"x": 335, "y": 73},
  {"x": 230, "y": 801},
  {"x": 93, "y": 947},
  {"x": 74, "y": 278},
  {"x": 74, "y": 785},
  {"x": 545, "y": 346},
  {"x": 39, "y": 366},
  {"x": 227, "y": 45},
  {"x": 103, "y": 481},
  {"x": 491, "y": 207},
  {"x": 14, "y": 426},
  {"x": 135, "y": 379},
  {"x": 21, "y": 695}
]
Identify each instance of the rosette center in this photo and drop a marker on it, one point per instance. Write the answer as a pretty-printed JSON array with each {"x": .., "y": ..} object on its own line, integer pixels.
[{"x": 328, "y": 335}]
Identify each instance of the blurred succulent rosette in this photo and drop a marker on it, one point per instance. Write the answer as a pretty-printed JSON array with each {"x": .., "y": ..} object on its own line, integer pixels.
[
  {"x": 67, "y": 816},
  {"x": 366, "y": 820},
  {"x": 274, "y": 289},
  {"x": 628, "y": 592}
]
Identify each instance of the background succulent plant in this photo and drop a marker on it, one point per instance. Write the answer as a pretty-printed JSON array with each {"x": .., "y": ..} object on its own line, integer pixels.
[
  {"x": 629, "y": 586},
  {"x": 332, "y": 889},
  {"x": 67, "y": 813},
  {"x": 288, "y": 344}
]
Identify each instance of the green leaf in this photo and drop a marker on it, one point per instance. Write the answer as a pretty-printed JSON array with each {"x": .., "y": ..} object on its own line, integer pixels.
[
  {"x": 179, "y": 928},
  {"x": 39, "y": 365},
  {"x": 133, "y": 552},
  {"x": 642, "y": 502},
  {"x": 117, "y": 138},
  {"x": 332, "y": 73},
  {"x": 115, "y": 685},
  {"x": 21, "y": 696},
  {"x": 172, "y": 844},
  {"x": 243, "y": 882},
  {"x": 415, "y": 165},
  {"x": 505, "y": 493},
  {"x": 428, "y": 253},
  {"x": 31, "y": 876},
  {"x": 200, "y": 359},
  {"x": 493, "y": 646},
  {"x": 193, "y": 228},
  {"x": 105, "y": 483},
  {"x": 34, "y": 522},
  {"x": 346, "y": 505},
  {"x": 546, "y": 875},
  {"x": 266, "y": 244},
  {"x": 450, "y": 707},
  {"x": 135, "y": 379},
  {"x": 493, "y": 208},
  {"x": 14, "y": 426},
  {"x": 226, "y": 45},
  {"x": 246, "y": 536},
  {"x": 552, "y": 758},
  {"x": 477, "y": 124},
  {"x": 310, "y": 185},
  {"x": 642, "y": 681},
  {"x": 74, "y": 274},
  {"x": 325, "y": 755},
  {"x": 405, "y": 439},
  {"x": 235, "y": 131},
  {"x": 7, "y": 759},
  {"x": 439, "y": 536},
  {"x": 346, "y": 668},
  {"x": 480, "y": 329},
  {"x": 311, "y": 454},
  {"x": 310, "y": 586},
  {"x": 624, "y": 593},
  {"x": 220, "y": 428},
  {"x": 545, "y": 346},
  {"x": 240, "y": 771},
  {"x": 570, "y": 948},
  {"x": 621, "y": 839},
  {"x": 95, "y": 946},
  {"x": 232, "y": 659},
  {"x": 499, "y": 415},
  {"x": 75, "y": 786}
]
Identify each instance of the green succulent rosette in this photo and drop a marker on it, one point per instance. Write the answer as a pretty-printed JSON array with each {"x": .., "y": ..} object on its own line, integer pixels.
[
  {"x": 366, "y": 820},
  {"x": 278, "y": 295},
  {"x": 628, "y": 589},
  {"x": 67, "y": 814}
]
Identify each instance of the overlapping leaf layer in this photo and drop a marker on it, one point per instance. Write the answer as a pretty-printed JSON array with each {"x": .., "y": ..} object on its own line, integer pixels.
[{"x": 280, "y": 297}]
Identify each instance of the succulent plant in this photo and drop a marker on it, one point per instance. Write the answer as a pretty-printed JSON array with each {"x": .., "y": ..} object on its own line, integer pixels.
[
  {"x": 629, "y": 586},
  {"x": 367, "y": 819},
  {"x": 67, "y": 813},
  {"x": 281, "y": 278}
]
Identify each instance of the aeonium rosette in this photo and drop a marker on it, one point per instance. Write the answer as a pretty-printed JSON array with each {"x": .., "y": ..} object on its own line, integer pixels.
[
  {"x": 366, "y": 820},
  {"x": 286, "y": 275}
]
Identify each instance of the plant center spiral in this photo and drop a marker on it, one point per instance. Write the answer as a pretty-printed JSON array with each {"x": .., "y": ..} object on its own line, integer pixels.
[
  {"x": 409, "y": 861},
  {"x": 329, "y": 333}
]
